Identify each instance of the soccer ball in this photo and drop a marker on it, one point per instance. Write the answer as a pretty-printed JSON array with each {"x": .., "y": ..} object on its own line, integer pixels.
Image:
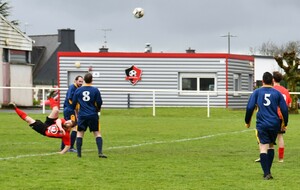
[
  {"x": 138, "y": 12},
  {"x": 132, "y": 73}
]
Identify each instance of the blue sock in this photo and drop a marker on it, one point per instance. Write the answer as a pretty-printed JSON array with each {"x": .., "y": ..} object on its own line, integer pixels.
[
  {"x": 62, "y": 146},
  {"x": 78, "y": 146},
  {"x": 270, "y": 158},
  {"x": 99, "y": 143},
  {"x": 264, "y": 162},
  {"x": 73, "y": 138}
]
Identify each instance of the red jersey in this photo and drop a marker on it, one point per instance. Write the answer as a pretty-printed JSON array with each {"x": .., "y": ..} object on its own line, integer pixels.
[
  {"x": 286, "y": 95},
  {"x": 55, "y": 132}
]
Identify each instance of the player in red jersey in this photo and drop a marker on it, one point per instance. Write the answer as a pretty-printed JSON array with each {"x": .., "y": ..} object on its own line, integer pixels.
[
  {"x": 277, "y": 77},
  {"x": 53, "y": 126}
]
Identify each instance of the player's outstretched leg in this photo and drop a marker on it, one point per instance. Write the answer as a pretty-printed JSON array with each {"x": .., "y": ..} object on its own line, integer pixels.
[{"x": 22, "y": 114}]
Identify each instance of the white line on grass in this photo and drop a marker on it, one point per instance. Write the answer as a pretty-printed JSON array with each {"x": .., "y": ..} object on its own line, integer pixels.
[{"x": 132, "y": 146}]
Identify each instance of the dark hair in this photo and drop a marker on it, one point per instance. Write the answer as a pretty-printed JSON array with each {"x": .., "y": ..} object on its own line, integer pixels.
[
  {"x": 267, "y": 78},
  {"x": 88, "y": 78},
  {"x": 65, "y": 127},
  {"x": 79, "y": 76},
  {"x": 277, "y": 76}
]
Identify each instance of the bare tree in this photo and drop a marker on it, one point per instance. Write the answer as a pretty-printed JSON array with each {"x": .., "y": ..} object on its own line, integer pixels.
[
  {"x": 286, "y": 56},
  {"x": 271, "y": 49},
  {"x": 289, "y": 62},
  {"x": 4, "y": 9}
]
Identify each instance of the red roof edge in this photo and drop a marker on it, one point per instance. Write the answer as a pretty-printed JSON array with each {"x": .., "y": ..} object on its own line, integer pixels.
[{"x": 156, "y": 55}]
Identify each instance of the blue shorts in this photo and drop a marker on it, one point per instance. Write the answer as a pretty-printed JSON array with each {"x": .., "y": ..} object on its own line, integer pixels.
[
  {"x": 266, "y": 136},
  {"x": 91, "y": 122}
]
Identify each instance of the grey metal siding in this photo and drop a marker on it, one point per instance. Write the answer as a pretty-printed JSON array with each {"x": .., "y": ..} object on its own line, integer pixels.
[
  {"x": 244, "y": 69},
  {"x": 157, "y": 74}
]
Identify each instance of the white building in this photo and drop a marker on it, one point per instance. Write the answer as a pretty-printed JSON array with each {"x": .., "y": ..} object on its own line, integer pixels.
[
  {"x": 15, "y": 65},
  {"x": 187, "y": 76},
  {"x": 264, "y": 64}
]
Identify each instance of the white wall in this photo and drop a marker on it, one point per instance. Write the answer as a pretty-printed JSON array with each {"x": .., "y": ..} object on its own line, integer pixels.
[
  {"x": 20, "y": 76},
  {"x": 264, "y": 64}
]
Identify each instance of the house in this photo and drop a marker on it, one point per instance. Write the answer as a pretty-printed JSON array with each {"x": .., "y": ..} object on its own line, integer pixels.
[
  {"x": 264, "y": 64},
  {"x": 184, "y": 79},
  {"x": 15, "y": 65},
  {"x": 44, "y": 56}
]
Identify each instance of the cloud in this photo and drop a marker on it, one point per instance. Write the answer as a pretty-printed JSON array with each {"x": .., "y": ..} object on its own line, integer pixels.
[{"x": 170, "y": 26}]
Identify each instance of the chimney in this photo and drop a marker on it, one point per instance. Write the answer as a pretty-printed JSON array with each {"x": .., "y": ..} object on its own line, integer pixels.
[
  {"x": 66, "y": 35},
  {"x": 190, "y": 50},
  {"x": 103, "y": 49},
  {"x": 148, "y": 48}
]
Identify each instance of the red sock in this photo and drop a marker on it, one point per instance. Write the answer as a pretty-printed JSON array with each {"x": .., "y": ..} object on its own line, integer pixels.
[
  {"x": 22, "y": 114},
  {"x": 280, "y": 153}
]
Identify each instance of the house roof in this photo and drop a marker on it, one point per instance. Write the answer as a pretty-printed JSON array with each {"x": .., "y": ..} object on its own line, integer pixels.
[
  {"x": 12, "y": 37},
  {"x": 44, "y": 55}
]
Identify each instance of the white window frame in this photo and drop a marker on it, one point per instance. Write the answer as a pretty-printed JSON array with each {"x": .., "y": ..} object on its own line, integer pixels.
[
  {"x": 237, "y": 83},
  {"x": 198, "y": 76}
]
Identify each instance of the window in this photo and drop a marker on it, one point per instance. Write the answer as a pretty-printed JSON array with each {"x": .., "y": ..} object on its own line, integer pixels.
[
  {"x": 189, "y": 83},
  {"x": 236, "y": 83},
  {"x": 207, "y": 84},
  {"x": 5, "y": 56},
  {"x": 250, "y": 83},
  {"x": 16, "y": 56},
  {"x": 197, "y": 82}
]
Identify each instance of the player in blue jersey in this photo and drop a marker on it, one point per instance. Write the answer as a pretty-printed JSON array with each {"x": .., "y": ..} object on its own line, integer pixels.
[
  {"x": 267, "y": 100},
  {"x": 69, "y": 113},
  {"x": 90, "y": 102}
]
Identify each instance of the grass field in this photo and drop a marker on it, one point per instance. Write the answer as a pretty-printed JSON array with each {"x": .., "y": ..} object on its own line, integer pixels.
[{"x": 178, "y": 149}]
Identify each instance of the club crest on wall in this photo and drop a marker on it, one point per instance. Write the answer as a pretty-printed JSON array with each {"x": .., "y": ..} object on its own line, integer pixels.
[{"x": 133, "y": 74}]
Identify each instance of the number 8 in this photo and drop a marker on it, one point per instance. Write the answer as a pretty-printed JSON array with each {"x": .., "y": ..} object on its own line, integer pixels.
[{"x": 86, "y": 96}]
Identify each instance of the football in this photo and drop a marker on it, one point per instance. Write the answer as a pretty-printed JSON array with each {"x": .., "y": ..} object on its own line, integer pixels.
[
  {"x": 132, "y": 73},
  {"x": 138, "y": 12}
]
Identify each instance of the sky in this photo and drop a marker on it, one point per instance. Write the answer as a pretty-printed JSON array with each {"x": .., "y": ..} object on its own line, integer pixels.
[{"x": 170, "y": 26}]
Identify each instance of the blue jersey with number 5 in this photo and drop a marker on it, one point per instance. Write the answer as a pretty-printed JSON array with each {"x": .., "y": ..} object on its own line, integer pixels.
[
  {"x": 89, "y": 100},
  {"x": 266, "y": 100}
]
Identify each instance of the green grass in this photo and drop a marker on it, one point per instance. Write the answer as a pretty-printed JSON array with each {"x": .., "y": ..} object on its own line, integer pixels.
[{"x": 178, "y": 149}]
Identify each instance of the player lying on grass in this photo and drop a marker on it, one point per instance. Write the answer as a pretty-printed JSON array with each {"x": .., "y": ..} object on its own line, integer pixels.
[{"x": 53, "y": 126}]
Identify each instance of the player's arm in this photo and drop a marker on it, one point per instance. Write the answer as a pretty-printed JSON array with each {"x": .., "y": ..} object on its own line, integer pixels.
[
  {"x": 63, "y": 151},
  {"x": 74, "y": 102},
  {"x": 251, "y": 106},
  {"x": 99, "y": 101},
  {"x": 59, "y": 125}
]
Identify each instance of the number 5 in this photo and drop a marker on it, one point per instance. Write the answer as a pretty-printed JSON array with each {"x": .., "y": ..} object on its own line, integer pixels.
[{"x": 268, "y": 102}]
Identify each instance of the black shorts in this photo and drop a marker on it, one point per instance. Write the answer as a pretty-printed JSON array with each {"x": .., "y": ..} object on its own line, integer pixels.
[
  {"x": 281, "y": 131},
  {"x": 41, "y": 127}
]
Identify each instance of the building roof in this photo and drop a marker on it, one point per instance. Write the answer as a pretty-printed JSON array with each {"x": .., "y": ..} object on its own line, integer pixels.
[
  {"x": 11, "y": 37},
  {"x": 44, "y": 54},
  {"x": 157, "y": 55}
]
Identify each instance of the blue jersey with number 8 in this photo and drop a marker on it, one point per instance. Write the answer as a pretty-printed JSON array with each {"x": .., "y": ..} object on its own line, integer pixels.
[{"x": 89, "y": 100}]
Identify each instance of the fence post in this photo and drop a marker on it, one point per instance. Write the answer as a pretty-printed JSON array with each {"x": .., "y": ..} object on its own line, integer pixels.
[
  {"x": 153, "y": 104},
  {"x": 208, "y": 110},
  {"x": 43, "y": 99},
  {"x": 128, "y": 100}
]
